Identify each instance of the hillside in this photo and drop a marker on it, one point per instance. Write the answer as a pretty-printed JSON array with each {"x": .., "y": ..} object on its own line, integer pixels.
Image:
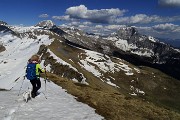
[
  {"x": 117, "y": 89},
  {"x": 128, "y": 44},
  {"x": 113, "y": 104},
  {"x": 142, "y": 84},
  {"x": 53, "y": 102}
]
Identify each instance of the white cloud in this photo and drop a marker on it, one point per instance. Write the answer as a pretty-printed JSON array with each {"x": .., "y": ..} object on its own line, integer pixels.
[
  {"x": 111, "y": 16},
  {"x": 97, "y": 16},
  {"x": 145, "y": 19},
  {"x": 113, "y": 27},
  {"x": 142, "y": 18},
  {"x": 74, "y": 23},
  {"x": 170, "y": 3},
  {"x": 64, "y": 25},
  {"x": 83, "y": 26},
  {"x": 77, "y": 11},
  {"x": 166, "y": 27},
  {"x": 99, "y": 26},
  {"x": 87, "y": 23},
  {"x": 167, "y": 30},
  {"x": 43, "y": 15},
  {"x": 63, "y": 18}
]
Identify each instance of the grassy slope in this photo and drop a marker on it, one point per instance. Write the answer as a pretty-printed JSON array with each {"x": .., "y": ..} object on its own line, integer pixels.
[
  {"x": 162, "y": 89},
  {"x": 115, "y": 104}
]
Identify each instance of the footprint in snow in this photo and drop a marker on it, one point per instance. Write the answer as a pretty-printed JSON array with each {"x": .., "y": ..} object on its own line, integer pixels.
[
  {"x": 9, "y": 115},
  {"x": 8, "y": 72}
]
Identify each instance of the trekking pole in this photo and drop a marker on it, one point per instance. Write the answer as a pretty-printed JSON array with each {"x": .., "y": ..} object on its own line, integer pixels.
[
  {"x": 45, "y": 78},
  {"x": 21, "y": 86},
  {"x": 44, "y": 94}
]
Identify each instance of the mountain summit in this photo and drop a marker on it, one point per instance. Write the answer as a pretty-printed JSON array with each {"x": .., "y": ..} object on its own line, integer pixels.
[
  {"x": 3, "y": 23},
  {"x": 46, "y": 24}
]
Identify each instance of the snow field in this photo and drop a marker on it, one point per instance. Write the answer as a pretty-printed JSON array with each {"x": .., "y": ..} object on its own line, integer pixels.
[{"x": 58, "y": 106}]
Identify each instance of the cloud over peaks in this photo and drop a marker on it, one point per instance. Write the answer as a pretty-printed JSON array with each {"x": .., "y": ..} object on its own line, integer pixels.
[
  {"x": 168, "y": 27},
  {"x": 111, "y": 16},
  {"x": 145, "y": 19},
  {"x": 167, "y": 30},
  {"x": 97, "y": 16},
  {"x": 44, "y": 16},
  {"x": 169, "y": 3},
  {"x": 63, "y": 18}
]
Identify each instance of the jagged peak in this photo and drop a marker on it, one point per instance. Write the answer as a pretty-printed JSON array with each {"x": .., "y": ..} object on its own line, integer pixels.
[
  {"x": 45, "y": 24},
  {"x": 2, "y": 22},
  {"x": 127, "y": 31},
  {"x": 72, "y": 28}
]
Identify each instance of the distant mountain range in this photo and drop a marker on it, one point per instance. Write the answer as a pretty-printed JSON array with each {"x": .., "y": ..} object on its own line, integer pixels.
[
  {"x": 126, "y": 43},
  {"x": 174, "y": 42},
  {"x": 124, "y": 75},
  {"x": 130, "y": 45}
]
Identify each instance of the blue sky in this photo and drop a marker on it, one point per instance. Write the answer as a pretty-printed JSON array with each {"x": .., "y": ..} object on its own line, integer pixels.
[{"x": 159, "y": 18}]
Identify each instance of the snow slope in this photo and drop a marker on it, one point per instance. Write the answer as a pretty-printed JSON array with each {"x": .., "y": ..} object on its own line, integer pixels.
[
  {"x": 14, "y": 59},
  {"x": 98, "y": 64},
  {"x": 58, "y": 106}
]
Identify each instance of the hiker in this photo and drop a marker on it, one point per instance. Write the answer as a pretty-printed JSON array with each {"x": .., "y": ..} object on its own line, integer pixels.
[{"x": 33, "y": 74}]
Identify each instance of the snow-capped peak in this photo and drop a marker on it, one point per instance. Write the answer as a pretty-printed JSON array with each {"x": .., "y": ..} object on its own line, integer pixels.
[
  {"x": 3, "y": 23},
  {"x": 46, "y": 24}
]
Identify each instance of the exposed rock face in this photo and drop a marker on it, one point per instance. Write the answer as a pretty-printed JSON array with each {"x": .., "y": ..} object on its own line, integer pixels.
[
  {"x": 126, "y": 33},
  {"x": 4, "y": 29},
  {"x": 144, "y": 46},
  {"x": 57, "y": 30},
  {"x": 146, "y": 50}
]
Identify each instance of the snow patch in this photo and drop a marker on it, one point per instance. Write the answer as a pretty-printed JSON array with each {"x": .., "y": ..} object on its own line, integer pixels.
[
  {"x": 98, "y": 64},
  {"x": 59, "y": 60},
  {"x": 122, "y": 44},
  {"x": 152, "y": 39},
  {"x": 110, "y": 83}
]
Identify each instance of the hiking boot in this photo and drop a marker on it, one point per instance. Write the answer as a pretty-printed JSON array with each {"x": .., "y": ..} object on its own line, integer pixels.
[
  {"x": 37, "y": 93},
  {"x": 33, "y": 95}
]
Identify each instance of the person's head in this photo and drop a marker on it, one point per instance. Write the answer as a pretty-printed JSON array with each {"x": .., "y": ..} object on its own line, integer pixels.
[{"x": 35, "y": 58}]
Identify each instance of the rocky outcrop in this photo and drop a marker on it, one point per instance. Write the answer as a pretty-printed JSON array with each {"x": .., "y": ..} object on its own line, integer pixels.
[
  {"x": 57, "y": 30},
  {"x": 2, "y": 48},
  {"x": 45, "y": 24},
  {"x": 3, "y": 23}
]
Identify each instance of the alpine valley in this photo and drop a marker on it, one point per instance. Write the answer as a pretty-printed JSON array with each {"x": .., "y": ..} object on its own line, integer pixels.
[{"x": 123, "y": 76}]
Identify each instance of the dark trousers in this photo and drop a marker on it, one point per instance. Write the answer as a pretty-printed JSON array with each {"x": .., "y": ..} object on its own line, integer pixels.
[{"x": 36, "y": 83}]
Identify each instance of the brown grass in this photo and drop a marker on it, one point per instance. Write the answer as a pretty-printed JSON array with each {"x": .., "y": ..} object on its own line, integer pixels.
[
  {"x": 117, "y": 104},
  {"x": 112, "y": 104},
  {"x": 2, "y": 48}
]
